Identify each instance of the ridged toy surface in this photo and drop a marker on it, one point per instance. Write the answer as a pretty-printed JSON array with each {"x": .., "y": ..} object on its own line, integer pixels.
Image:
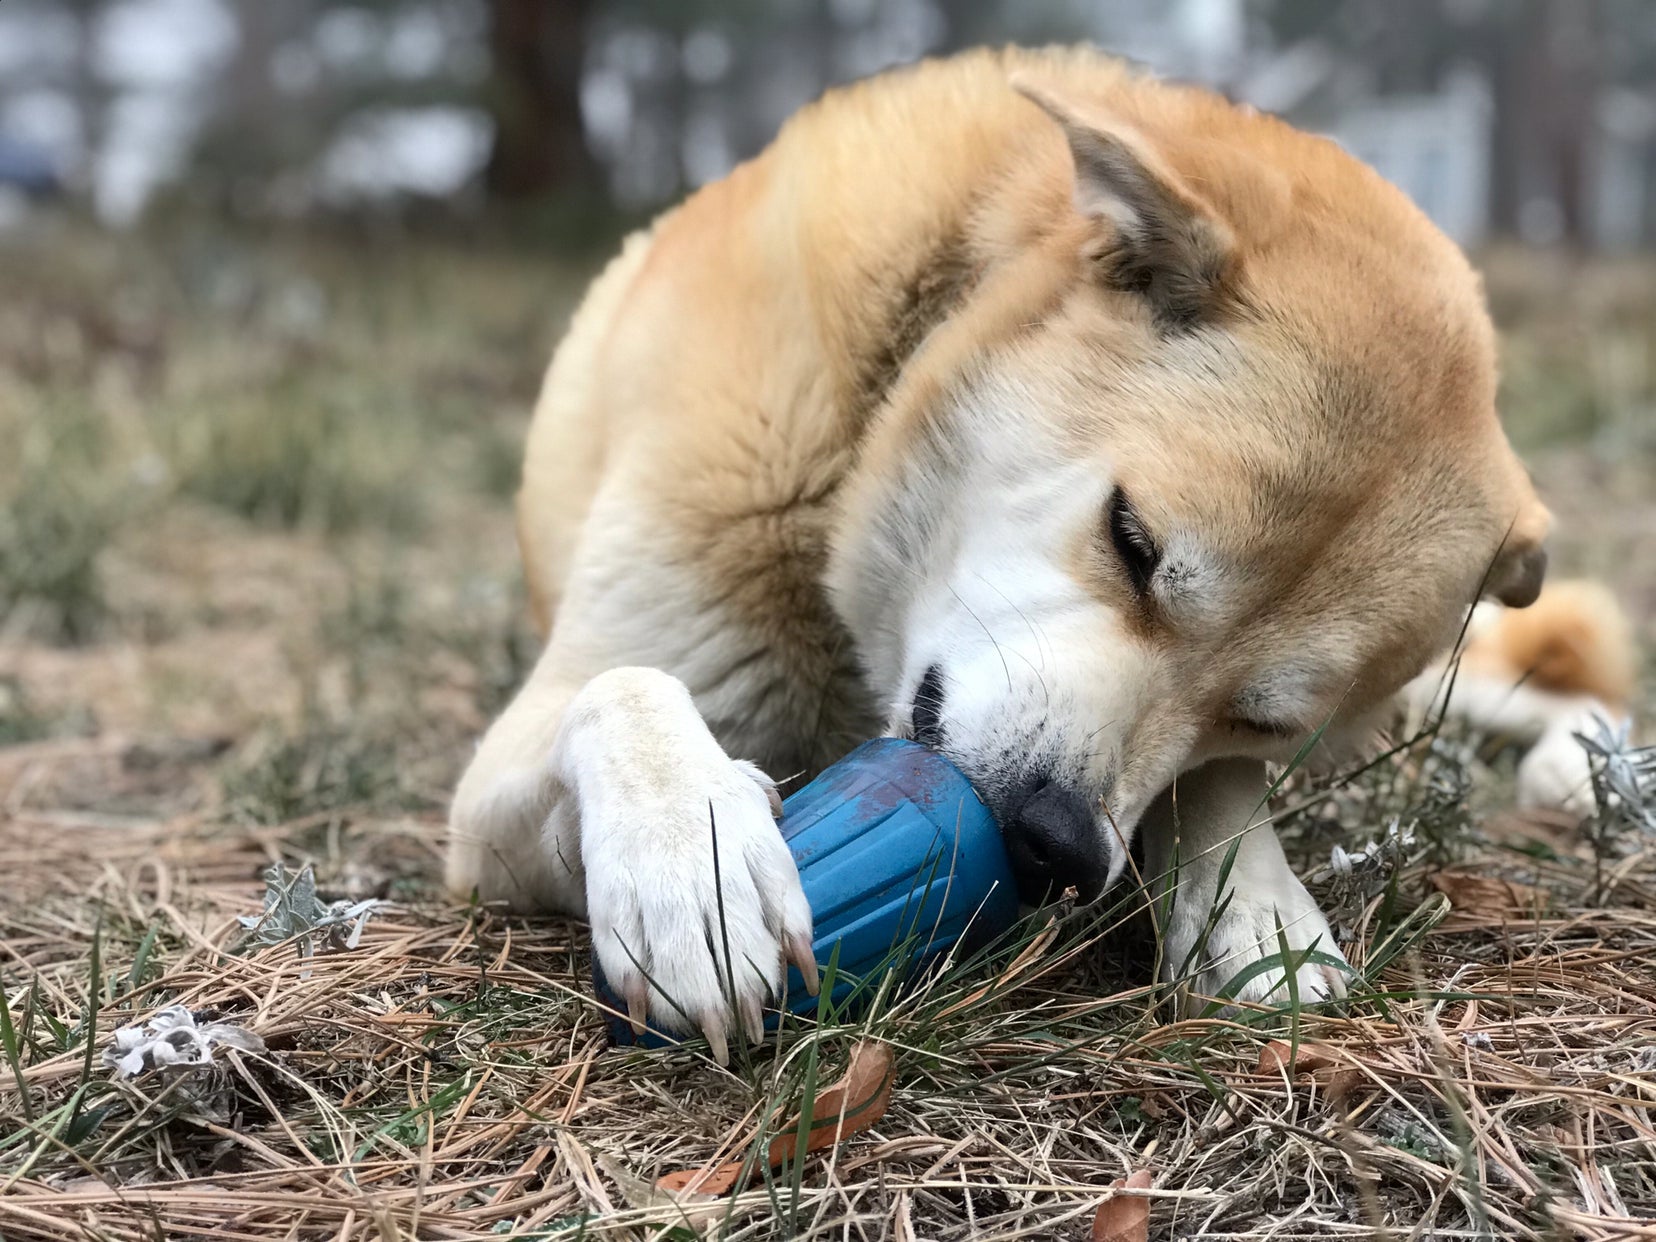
[{"x": 899, "y": 859}]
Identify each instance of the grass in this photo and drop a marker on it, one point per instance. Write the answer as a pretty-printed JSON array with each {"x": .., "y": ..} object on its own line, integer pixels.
[
  {"x": 256, "y": 602},
  {"x": 64, "y": 502}
]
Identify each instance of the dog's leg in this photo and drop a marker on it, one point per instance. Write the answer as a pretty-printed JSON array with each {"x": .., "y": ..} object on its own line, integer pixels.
[
  {"x": 613, "y": 799},
  {"x": 514, "y": 827},
  {"x": 1554, "y": 772},
  {"x": 1539, "y": 676},
  {"x": 1188, "y": 833}
]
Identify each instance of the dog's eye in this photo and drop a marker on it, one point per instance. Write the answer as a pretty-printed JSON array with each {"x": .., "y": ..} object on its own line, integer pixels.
[
  {"x": 1138, "y": 552},
  {"x": 1265, "y": 728}
]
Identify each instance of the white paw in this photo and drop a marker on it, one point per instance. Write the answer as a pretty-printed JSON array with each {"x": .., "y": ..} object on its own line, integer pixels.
[
  {"x": 1246, "y": 932},
  {"x": 1555, "y": 774},
  {"x": 697, "y": 945}
]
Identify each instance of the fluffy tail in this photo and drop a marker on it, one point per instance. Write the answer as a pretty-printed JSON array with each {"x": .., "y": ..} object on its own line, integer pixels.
[{"x": 1539, "y": 675}]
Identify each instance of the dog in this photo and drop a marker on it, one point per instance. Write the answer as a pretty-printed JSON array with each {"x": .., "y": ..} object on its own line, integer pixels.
[
  {"x": 1109, "y": 438},
  {"x": 1562, "y": 668}
]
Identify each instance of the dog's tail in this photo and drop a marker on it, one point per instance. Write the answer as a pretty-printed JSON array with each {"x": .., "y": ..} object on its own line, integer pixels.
[
  {"x": 1574, "y": 640},
  {"x": 1538, "y": 676}
]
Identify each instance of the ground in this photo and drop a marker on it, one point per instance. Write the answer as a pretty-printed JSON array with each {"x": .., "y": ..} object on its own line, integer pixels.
[{"x": 258, "y": 594}]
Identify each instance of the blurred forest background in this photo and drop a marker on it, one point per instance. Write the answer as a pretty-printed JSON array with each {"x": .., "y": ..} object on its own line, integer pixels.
[{"x": 1532, "y": 119}]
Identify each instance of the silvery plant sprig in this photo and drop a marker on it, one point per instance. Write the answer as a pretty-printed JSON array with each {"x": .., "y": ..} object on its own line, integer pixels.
[
  {"x": 1624, "y": 777},
  {"x": 1624, "y": 793},
  {"x": 293, "y": 911},
  {"x": 1357, "y": 876},
  {"x": 173, "y": 1039}
]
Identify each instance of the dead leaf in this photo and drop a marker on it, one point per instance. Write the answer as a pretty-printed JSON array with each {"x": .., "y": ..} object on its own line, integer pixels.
[
  {"x": 1321, "y": 1064},
  {"x": 1488, "y": 897},
  {"x": 1124, "y": 1218},
  {"x": 1277, "y": 1055},
  {"x": 1153, "y": 1104},
  {"x": 1340, "y": 1080},
  {"x": 853, "y": 1103},
  {"x": 699, "y": 1212}
]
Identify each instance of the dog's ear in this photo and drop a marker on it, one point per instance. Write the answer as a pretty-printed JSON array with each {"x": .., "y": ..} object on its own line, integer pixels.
[
  {"x": 1521, "y": 564},
  {"x": 1158, "y": 239}
]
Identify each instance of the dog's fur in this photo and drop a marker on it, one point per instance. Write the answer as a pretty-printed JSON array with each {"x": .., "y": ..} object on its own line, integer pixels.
[
  {"x": 1108, "y": 436},
  {"x": 1540, "y": 676}
]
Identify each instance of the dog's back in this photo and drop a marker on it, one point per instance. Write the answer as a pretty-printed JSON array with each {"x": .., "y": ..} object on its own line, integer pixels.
[{"x": 761, "y": 323}]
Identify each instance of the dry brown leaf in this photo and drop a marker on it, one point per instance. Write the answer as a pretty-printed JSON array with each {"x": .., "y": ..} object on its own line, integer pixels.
[
  {"x": 1153, "y": 1104},
  {"x": 1277, "y": 1055},
  {"x": 687, "y": 1208},
  {"x": 1340, "y": 1080},
  {"x": 1321, "y": 1064},
  {"x": 853, "y": 1103},
  {"x": 1488, "y": 897},
  {"x": 1124, "y": 1218}
]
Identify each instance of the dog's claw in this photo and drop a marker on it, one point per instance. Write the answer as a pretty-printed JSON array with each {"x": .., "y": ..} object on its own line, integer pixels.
[
  {"x": 775, "y": 796},
  {"x": 713, "y": 1027},
  {"x": 753, "y": 1021},
  {"x": 803, "y": 956},
  {"x": 638, "y": 1005}
]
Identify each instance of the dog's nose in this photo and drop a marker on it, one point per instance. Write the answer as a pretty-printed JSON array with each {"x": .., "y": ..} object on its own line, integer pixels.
[{"x": 1054, "y": 844}]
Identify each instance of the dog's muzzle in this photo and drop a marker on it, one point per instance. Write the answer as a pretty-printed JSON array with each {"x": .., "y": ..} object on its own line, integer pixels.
[
  {"x": 1053, "y": 840},
  {"x": 1051, "y": 833}
]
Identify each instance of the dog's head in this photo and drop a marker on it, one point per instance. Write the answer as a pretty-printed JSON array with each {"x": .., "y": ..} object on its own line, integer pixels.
[{"x": 1205, "y": 465}]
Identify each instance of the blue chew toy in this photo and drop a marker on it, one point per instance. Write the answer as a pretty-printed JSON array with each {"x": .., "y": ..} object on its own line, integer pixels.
[{"x": 899, "y": 859}]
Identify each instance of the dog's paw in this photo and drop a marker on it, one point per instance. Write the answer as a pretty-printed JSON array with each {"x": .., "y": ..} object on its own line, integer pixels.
[
  {"x": 1555, "y": 775},
  {"x": 1246, "y": 933},
  {"x": 694, "y": 900}
]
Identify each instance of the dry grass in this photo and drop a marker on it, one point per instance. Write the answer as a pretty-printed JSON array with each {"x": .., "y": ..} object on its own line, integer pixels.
[{"x": 258, "y": 680}]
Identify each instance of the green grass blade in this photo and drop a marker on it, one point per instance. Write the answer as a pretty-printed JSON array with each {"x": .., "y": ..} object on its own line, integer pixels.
[{"x": 14, "y": 1054}]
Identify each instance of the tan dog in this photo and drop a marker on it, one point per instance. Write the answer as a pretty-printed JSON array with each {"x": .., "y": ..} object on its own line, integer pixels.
[
  {"x": 1106, "y": 436},
  {"x": 1563, "y": 667}
]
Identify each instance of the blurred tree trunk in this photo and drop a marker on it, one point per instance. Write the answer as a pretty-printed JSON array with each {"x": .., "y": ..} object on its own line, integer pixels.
[
  {"x": 1514, "y": 124},
  {"x": 1574, "y": 47},
  {"x": 89, "y": 91},
  {"x": 1548, "y": 72},
  {"x": 535, "y": 98}
]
